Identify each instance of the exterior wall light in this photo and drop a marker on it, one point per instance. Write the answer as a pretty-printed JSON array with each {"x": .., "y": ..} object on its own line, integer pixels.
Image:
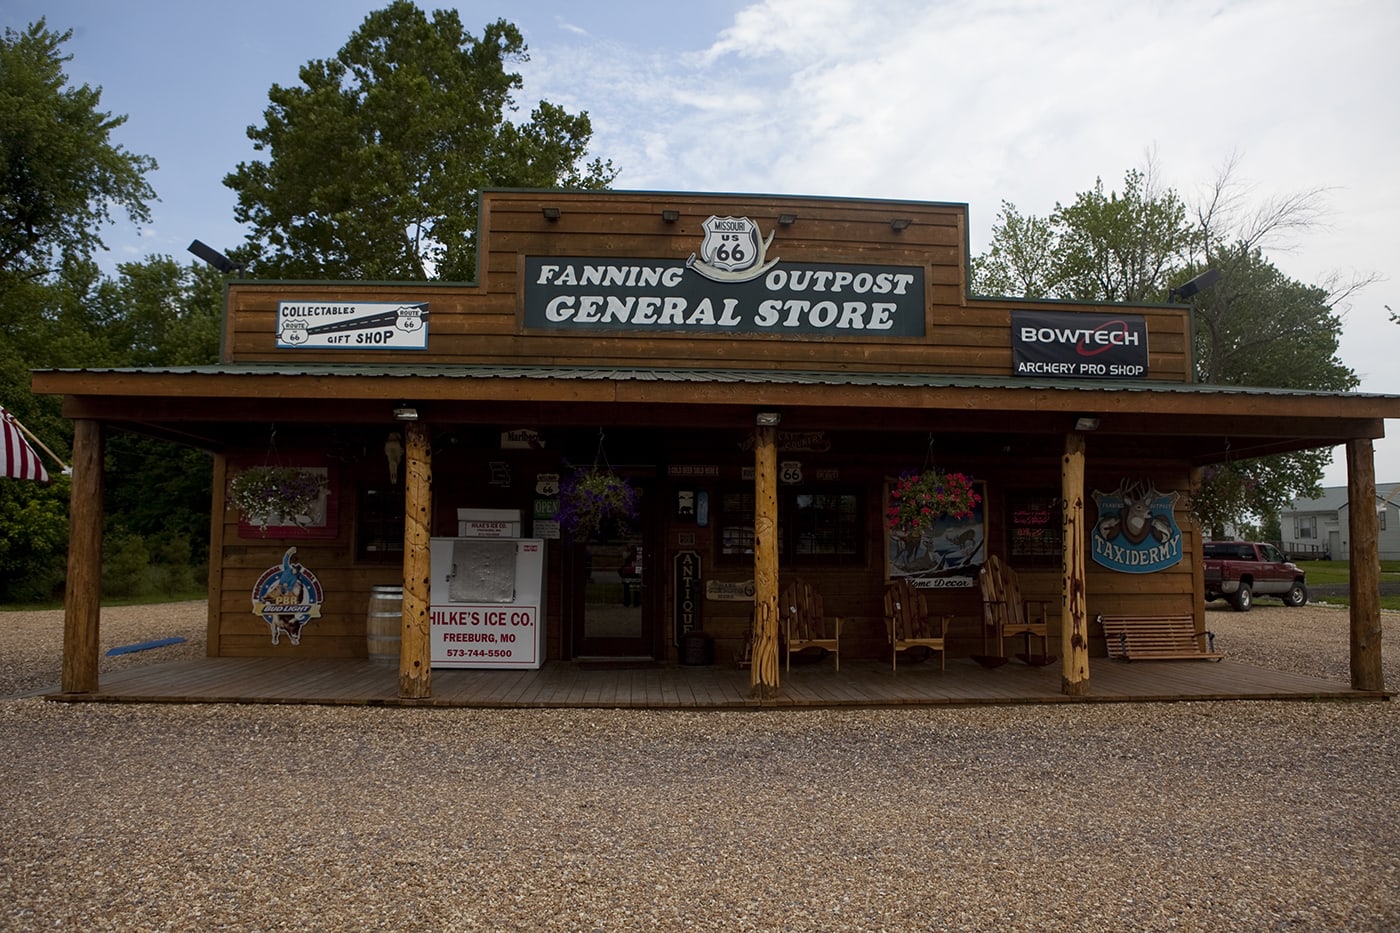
[
  {"x": 787, "y": 220},
  {"x": 550, "y": 213},
  {"x": 405, "y": 413},
  {"x": 1186, "y": 289},
  {"x": 900, "y": 223},
  {"x": 767, "y": 419},
  {"x": 1086, "y": 423},
  {"x": 215, "y": 258},
  {"x": 670, "y": 216}
]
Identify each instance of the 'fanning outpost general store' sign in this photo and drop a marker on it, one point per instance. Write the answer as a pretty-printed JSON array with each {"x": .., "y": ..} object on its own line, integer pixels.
[{"x": 729, "y": 286}]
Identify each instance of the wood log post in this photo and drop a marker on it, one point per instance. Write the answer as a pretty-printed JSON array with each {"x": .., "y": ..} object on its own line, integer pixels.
[
  {"x": 763, "y": 671},
  {"x": 82, "y": 602},
  {"x": 1074, "y": 621},
  {"x": 415, "y": 644},
  {"x": 1195, "y": 479},
  {"x": 1367, "y": 672}
]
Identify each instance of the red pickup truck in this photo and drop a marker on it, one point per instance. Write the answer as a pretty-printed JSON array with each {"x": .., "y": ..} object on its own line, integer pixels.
[{"x": 1241, "y": 570}]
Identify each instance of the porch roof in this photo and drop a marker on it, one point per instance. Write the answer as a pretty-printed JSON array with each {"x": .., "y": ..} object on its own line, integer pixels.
[{"x": 1202, "y": 423}]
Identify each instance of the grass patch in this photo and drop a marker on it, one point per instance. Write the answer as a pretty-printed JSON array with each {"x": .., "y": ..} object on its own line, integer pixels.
[
  {"x": 113, "y": 601},
  {"x": 1338, "y": 572},
  {"x": 1387, "y": 602}
]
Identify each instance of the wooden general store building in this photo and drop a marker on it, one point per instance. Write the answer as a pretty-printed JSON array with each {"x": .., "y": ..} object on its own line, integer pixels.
[{"x": 761, "y": 369}]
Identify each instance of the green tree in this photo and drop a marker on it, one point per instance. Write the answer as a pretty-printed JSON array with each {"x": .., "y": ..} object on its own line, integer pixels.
[
  {"x": 376, "y": 160},
  {"x": 33, "y": 538},
  {"x": 61, "y": 176},
  {"x": 1120, "y": 247},
  {"x": 1021, "y": 259},
  {"x": 1255, "y": 327},
  {"x": 161, "y": 313},
  {"x": 1103, "y": 246},
  {"x": 61, "y": 179}
]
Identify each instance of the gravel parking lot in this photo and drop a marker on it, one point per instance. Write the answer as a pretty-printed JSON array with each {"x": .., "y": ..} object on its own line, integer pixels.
[{"x": 1178, "y": 816}]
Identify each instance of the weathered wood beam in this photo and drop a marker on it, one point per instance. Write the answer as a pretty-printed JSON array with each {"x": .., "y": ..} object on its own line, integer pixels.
[
  {"x": 217, "y": 506},
  {"x": 1367, "y": 672},
  {"x": 415, "y": 646},
  {"x": 82, "y": 603},
  {"x": 1074, "y": 620},
  {"x": 763, "y": 670}
]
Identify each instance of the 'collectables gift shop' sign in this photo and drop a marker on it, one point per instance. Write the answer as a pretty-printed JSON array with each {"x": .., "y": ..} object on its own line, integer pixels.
[
  {"x": 729, "y": 285},
  {"x": 1079, "y": 346},
  {"x": 352, "y": 325}
]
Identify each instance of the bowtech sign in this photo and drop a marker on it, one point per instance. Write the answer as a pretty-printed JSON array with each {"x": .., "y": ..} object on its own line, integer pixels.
[{"x": 1079, "y": 346}]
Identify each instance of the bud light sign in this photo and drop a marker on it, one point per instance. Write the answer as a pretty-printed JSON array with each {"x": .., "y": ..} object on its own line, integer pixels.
[{"x": 1071, "y": 345}]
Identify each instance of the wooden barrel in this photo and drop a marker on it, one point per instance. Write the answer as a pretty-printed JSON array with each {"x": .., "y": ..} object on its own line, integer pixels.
[{"x": 384, "y": 623}]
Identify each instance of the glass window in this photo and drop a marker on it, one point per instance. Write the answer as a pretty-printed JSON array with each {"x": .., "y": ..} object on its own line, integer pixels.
[
  {"x": 828, "y": 525},
  {"x": 736, "y": 523},
  {"x": 379, "y": 525},
  {"x": 813, "y": 527}
]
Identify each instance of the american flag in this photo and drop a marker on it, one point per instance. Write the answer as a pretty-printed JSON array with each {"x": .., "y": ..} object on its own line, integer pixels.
[{"x": 17, "y": 459}]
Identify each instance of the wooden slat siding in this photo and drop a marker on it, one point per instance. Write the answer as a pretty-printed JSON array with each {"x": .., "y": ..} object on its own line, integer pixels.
[
  {"x": 617, "y": 216},
  {"x": 480, "y": 323},
  {"x": 680, "y": 351},
  {"x": 340, "y": 631}
]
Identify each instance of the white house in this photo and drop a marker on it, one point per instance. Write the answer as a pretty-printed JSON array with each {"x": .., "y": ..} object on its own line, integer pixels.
[{"x": 1320, "y": 526}]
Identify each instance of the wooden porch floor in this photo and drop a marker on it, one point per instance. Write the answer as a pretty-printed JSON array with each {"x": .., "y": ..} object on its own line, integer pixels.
[{"x": 566, "y": 684}]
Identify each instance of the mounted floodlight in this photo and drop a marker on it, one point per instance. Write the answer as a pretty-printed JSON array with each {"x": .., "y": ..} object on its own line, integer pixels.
[
  {"x": 900, "y": 223},
  {"x": 1203, "y": 281},
  {"x": 787, "y": 220},
  {"x": 215, "y": 258},
  {"x": 767, "y": 419},
  {"x": 1086, "y": 423},
  {"x": 405, "y": 413},
  {"x": 670, "y": 216},
  {"x": 550, "y": 213}
]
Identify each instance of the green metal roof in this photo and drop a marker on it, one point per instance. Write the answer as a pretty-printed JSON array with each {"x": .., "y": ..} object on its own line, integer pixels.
[{"x": 711, "y": 376}]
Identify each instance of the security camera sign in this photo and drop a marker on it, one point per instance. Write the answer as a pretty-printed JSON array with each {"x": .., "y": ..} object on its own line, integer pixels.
[{"x": 352, "y": 325}]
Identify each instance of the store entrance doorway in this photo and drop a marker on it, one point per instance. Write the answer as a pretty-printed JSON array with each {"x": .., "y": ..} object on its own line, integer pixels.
[{"x": 613, "y": 578}]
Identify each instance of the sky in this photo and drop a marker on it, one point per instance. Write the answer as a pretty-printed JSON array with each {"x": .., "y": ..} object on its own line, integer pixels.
[{"x": 965, "y": 101}]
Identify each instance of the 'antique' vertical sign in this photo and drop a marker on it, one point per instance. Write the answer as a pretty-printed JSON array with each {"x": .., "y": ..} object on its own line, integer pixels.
[{"x": 689, "y": 592}]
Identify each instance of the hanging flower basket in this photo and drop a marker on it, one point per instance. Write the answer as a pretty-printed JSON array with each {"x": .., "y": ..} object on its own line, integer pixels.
[
  {"x": 268, "y": 495},
  {"x": 917, "y": 500},
  {"x": 592, "y": 498}
]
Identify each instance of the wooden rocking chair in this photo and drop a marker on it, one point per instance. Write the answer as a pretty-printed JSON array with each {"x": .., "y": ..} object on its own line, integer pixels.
[
  {"x": 908, "y": 624},
  {"x": 804, "y": 625},
  {"x": 1004, "y": 612}
]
